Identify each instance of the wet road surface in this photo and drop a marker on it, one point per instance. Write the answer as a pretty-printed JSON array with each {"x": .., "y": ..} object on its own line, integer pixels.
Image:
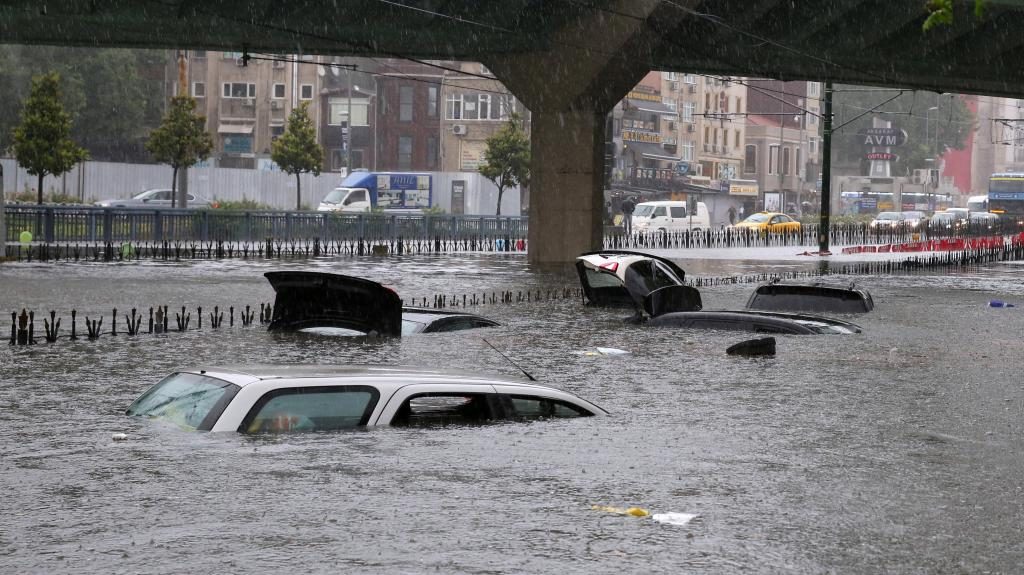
[{"x": 898, "y": 450}]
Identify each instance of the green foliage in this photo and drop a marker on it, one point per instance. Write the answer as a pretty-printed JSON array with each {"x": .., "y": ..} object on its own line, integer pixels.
[
  {"x": 42, "y": 142},
  {"x": 113, "y": 95},
  {"x": 507, "y": 158},
  {"x": 244, "y": 204},
  {"x": 434, "y": 211},
  {"x": 181, "y": 140},
  {"x": 297, "y": 150},
  {"x": 940, "y": 12},
  {"x": 929, "y": 132}
]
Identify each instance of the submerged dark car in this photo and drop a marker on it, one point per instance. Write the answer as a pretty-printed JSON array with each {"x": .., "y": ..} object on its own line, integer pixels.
[
  {"x": 345, "y": 305},
  {"x": 654, "y": 287},
  {"x": 810, "y": 297}
]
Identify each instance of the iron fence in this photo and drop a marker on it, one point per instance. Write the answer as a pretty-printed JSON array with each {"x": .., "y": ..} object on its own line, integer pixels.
[{"x": 51, "y": 224}]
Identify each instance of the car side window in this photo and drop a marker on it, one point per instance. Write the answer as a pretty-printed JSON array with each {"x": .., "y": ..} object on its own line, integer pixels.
[
  {"x": 677, "y": 211},
  {"x": 527, "y": 408},
  {"x": 162, "y": 195},
  {"x": 659, "y": 212},
  {"x": 457, "y": 323},
  {"x": 441, "y": 409},
  {"x": 325, "y": 408},
  {"x": 776, "y": 220},
  {"x": 356, "y": 196}
]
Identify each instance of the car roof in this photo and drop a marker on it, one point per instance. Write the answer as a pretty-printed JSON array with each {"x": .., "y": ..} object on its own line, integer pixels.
[
  {"x": 663, "y": 203},
  {"x": 243, "y": 375}
]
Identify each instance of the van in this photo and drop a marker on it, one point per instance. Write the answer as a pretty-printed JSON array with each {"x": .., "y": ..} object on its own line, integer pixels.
[
  {"x": 670, "y": 216},
  {"x": 977, "y": 204}
]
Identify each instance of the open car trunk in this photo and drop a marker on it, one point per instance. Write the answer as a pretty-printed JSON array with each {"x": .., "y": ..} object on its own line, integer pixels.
[
  {"x": 315, "y": 299},
  {"x": 644, "y": 282}
]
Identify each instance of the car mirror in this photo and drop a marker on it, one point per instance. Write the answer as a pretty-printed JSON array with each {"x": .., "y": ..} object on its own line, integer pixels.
[
  {"x": 654, "y": 216},
  {"x": 145, "y": 199}
]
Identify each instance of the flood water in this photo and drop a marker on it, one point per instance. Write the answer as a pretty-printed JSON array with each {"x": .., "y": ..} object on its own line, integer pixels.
[{"x": 898, "y": 450}]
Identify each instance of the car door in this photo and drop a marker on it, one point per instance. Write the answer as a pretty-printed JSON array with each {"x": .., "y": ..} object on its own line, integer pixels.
[
  {"x": 434, "y": 404},
  {"x": 775, "y": 224},
  {"x": 660, "y": 219},
  {"x": 677, "y": 218},
  {"x": 161, "y": 198}
]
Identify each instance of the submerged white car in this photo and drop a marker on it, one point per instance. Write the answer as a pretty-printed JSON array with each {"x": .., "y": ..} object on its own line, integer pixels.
[{"x": 281, "y": 399}]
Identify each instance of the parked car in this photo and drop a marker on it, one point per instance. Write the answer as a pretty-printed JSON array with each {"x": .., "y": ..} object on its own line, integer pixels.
[
  {"x": 914, "y": 219},
  {"x": 159, "y": 198},
  {"x": 773, "y": 222},
  {"x": 336, "y": 304},
  {"x": 887, "y": 221},
  {"x": 947, "y": 220},
  {"x": 655, "y": 289},
  {"x": 670, "y": 216},
  {"x": 283, "y": 398},
  {"x": 983, "y": 221},
  {"x": 810, "y": 297}
]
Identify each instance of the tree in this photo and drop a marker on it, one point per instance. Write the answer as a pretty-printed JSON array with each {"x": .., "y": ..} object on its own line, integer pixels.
[
  {"x": 42, "y": 142},
  {"x": 933, "y": 123},
  {"x": 507, "y": 158},
  {"x": 181, "y": 140},
  {"x": 297, "y": 151},
  {"x": 941, "y": 12}
]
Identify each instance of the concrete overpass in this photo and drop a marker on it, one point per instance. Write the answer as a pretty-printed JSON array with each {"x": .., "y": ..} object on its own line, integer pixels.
[{"x": 570, "y": 61}]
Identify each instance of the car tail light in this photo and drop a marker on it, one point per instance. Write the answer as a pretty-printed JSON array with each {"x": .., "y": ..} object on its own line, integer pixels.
[{"x": 610, "y": 266}]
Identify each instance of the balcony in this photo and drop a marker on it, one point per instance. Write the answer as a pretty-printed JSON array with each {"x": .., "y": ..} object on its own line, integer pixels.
[{"x": 237, "y": 108}]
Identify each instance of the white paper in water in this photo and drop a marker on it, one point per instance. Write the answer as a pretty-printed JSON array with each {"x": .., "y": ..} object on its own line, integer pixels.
[{"x": 674, "y": 518}]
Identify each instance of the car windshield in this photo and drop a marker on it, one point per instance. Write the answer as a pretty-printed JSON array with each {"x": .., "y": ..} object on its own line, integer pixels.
[
  {"x": 888, "y": 216},
  {"x": 913, "y": 215},
  {"x": 643, "y": 210},
  {"x": 826, "y": 328},
  {"x": 188, "y": 400},
  {"x": 333, "y": 196},
  {"x": 145, "y": 194},
  {"x": 757, "y": 218},
  {"x": 410, "y": 327}
]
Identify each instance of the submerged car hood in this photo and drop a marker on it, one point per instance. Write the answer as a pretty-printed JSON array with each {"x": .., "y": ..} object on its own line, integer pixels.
[{"x": 315, "y": 299}]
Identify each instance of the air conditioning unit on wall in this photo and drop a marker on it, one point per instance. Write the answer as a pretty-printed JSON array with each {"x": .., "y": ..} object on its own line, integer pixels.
[
  {"x": 276, "y": 104},
  {"x": 459, "y": 129}
]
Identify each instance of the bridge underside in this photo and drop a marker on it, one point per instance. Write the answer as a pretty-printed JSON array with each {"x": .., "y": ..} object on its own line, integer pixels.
[{"x": 570, "y": 61}]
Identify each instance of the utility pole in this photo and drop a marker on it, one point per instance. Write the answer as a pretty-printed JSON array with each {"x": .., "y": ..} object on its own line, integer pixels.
[
  {"x": 3, "y": 216},
  {"x": 826, "y": 172},
  {"x": 348, "y": 137}
]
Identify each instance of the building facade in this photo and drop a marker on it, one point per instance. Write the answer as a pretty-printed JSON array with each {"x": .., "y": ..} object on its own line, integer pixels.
[{"x": 475, "y": 108}]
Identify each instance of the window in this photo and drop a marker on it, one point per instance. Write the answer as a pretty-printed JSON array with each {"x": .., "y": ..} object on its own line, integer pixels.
[
  {"x": 198, "y": 53},
  {"x": 404, "y": 152},
  {"x": 198, "y": 89},
  {"x": 454, "y": 107},
  {"x": 773, "y": 160},
  {"x": 469, "y": 107},
  {"x": 405, "y": 97},
  {"x": 812, "y": 119},
  {"x": 529, "y": 408},
  {"x": 239, "y": 90},
  {"x": 707, "y": 102},
  {"x": 276, "y": 132},
  {"x": 231, "y": 55},
  {"x": 311, "y": 409},
  {"x": 306, "y": 92},
  {"x": 677, "y": 211},
  {"x": 750, "y": 159},
  {"x": 739, "y": 104},
  {"x": 785, "y": 161},
  {"x": 688, "y": 108},
  {"x": 670, "y": 76},
  {"x": 798, "y": 168},
  {"x": 736, "y": 139},
  {"x": 439, "y": 409},
  {"x": 485, "y": 106},
  {"x": 690, "y": 79},
  {"x": 687, "y": 151},
  {"x": 431, "y": 152},
  {"x": 432, "y": 102},
  {"x": 278, "y": 91},
  {"x": 813, "y": 144},
  {"x": 813, "y": 89},
  {"x": 659, "y": 212}
]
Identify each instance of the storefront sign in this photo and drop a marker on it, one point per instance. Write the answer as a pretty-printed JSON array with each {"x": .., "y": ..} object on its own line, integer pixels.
[
  {"x": 645, "y": 97},
  {"x": 882, "y": 137},
  {"x": 646, "y": 137},
  {"x": 237, "y": 144},
  {"x": 742, "y": 189},
  {"x": 472, "y": 155},
  {"x": 882, "y": 156}
]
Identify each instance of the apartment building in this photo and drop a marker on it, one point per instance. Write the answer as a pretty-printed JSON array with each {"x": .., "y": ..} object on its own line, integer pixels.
[
  {"x": 475, "y": 108},
  {"x": 246, "y": 103},
  {"x": 782, "y": 148},
  {"x": 349, "y": 98}
]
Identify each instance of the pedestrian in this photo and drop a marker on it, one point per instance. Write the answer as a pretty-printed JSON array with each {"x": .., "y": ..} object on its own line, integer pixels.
[
  {"x": 627, "y": 215},
  {"x": 732, "y": 215}
]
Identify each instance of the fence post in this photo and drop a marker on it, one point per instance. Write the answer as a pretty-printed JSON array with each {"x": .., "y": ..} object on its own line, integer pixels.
[
  {"x": 204, "y": 225},
  {"x": 288, "y": 226},
  {"x": 48, "y": 215},
  {"x": 108, "y": 225},
  {"x": 158, "y": 226}
]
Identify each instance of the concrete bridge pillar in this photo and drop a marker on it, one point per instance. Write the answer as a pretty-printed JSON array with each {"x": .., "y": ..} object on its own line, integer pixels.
[
  {"x": 567, "y": 184},
  {"x": 570, "y": 85}
]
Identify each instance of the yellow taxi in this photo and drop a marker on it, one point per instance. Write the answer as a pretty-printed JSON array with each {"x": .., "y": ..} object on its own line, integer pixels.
[{"x": 773, "y": 222}]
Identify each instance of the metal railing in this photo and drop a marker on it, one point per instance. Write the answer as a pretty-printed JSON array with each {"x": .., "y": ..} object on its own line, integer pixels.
[{"x": 91, "y": 224}]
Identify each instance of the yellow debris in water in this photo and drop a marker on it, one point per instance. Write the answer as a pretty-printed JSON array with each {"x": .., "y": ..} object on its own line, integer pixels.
[{"x": 634, "y": 511}]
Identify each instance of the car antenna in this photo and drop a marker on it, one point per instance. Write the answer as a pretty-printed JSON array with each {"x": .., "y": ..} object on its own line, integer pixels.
[{"x": 508, "y": 359}]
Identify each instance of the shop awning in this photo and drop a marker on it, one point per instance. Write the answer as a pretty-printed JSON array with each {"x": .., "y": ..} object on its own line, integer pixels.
[
  {"x": 649, "y": 106},
  {"x": 647, "y": 150},
  {"x": 235, "y": 128}
]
